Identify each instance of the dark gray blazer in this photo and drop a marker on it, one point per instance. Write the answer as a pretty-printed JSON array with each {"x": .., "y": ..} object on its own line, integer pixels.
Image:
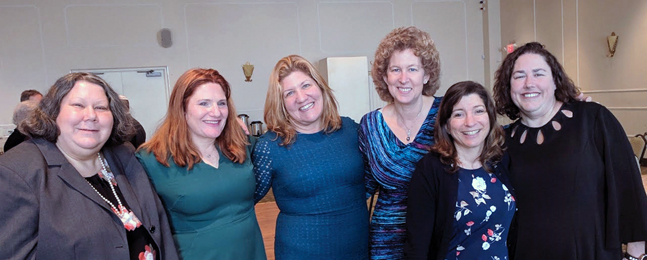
[{"x": 48, "y": 210}]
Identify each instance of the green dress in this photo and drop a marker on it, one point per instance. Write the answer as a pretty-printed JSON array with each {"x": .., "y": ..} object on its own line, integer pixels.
[{"x": 211, "y": 210}]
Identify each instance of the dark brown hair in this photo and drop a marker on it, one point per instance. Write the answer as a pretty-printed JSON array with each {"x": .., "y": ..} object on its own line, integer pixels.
[
  {"x": 423, "y": 47},
  {"x": 25, "y": 95},
  {"x": 492, "y": 148},
  {"x": 565, "y": 91},
  {"x": 277, "y": 117},
  {"x": 42, "y": 122},
  {"x": 173, "y": 137}
]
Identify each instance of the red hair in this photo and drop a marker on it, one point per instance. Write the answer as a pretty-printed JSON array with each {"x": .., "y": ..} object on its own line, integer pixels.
[{"x": 173, "y": 136}]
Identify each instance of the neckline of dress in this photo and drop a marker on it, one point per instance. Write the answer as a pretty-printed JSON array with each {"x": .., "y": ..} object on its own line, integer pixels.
[
  {"x": 399, "y": 142},
  {"x": 556, "y": 117},
  {"x": 520, "y": 131},
  {"x": 472, "y": 170}
]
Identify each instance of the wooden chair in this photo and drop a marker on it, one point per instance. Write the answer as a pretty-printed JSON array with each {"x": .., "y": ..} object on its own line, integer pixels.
[{"x": 639, "y": 145}]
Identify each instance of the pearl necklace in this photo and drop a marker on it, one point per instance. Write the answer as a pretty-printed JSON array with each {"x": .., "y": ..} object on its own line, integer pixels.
[
  {"x": 127, "y": 217},
  {"x": 405, "y": 125}
]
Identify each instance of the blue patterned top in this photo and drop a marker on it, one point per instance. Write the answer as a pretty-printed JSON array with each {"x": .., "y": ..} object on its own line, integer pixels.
[
  {"x": 484, "y": 210},
  {"x": 389, "y": 166},
  {"x": 318, "y": 184}
]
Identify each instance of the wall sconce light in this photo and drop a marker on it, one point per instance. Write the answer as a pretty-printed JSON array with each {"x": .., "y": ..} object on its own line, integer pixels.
[
  {"x": 248, "y": 69},
  {"x": 612, "y": 41}
]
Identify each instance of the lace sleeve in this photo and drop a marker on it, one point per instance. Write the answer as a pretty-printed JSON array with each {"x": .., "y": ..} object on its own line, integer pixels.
[{"x": 262, "y": 169}]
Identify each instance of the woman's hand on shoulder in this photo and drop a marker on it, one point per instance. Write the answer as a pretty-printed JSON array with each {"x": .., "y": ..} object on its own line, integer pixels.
[{"x": 582, "y": 97}]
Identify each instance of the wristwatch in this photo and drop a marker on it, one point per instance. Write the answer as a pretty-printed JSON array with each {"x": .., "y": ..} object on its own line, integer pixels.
[{"x": 630, "y": 257}]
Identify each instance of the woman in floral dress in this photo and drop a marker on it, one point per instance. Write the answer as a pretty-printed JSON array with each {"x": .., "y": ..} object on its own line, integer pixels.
[{"x": 460, "y": 202}]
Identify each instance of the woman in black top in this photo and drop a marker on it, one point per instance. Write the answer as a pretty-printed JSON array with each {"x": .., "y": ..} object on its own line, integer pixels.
[
  {"x": 578, "y": 185},
  {"x": 460, "y": 202}
]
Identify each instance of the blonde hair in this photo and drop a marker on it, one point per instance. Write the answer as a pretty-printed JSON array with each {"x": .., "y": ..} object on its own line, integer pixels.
[
  {"x": 173, "y": 137},
  {"x": 276, "y": 116}
]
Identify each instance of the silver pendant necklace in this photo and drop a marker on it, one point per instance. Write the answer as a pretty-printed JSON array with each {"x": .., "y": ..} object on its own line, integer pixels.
[
  {"x": 401, "y": 119},
  {"x": 127, "y": 217}
]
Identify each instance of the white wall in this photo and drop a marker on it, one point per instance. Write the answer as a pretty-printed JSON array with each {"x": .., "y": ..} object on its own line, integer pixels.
[
  {"x": 575, "y": 32},
  {"x": 41, "y": 40}
]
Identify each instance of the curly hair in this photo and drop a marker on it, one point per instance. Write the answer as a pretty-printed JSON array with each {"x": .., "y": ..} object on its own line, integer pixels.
[
  {"x": 173, "y": 137},
  {"x": 42, "y": 122},
  {"x": 444, "y": 146},
  {"x": 566, "y": 91},
  {"x": 401, "y": 39},
  {"x": 276, "y": 116}
]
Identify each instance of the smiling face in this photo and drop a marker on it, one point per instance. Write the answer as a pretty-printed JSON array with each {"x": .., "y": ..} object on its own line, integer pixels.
[
  {"x": 85, "y": 120},
  {"x": 532, "y": 86},
  {"x": 206, "y": 112},
  {"x": 303, "y": 101},
  {"x": 405, "y": 76},
  {"x": 469, "y": 123}
]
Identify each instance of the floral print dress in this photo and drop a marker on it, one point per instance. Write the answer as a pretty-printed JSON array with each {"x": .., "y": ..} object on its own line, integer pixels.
[{"x": 484, "y": 210}]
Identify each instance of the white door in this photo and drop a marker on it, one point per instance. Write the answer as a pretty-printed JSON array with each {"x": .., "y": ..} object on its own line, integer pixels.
[{"x": 146, "y": 90}]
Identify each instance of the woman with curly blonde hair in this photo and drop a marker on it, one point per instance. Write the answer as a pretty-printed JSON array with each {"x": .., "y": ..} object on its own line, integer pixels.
[{"x": 392, "y": 139}]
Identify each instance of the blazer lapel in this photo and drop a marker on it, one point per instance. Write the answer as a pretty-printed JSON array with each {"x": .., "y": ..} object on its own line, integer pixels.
[{"x": 58, "y": 165}]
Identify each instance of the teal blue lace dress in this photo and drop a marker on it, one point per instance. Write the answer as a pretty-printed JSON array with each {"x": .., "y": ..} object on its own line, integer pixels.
[{"x": 318, "y": 185}]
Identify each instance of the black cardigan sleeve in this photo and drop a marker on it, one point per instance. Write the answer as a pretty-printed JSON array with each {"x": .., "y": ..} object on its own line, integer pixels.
[
  {"x": 421, "y": 208},
  {"x": 430, "y": 207}
]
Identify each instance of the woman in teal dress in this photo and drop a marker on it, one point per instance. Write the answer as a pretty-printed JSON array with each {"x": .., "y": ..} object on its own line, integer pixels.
[
  {"x": 310, "y": 158},
  {"x": 199, "y": 162}
]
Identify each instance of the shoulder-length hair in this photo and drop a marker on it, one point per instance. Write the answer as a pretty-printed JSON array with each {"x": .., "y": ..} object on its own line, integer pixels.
[
  {"x": 173, "y": 137},
  {"x": 276, "y": 115},
  {"x": 492, "y": 148},
  {"x": 401, "y": 39},
  {"x": 42, "y": 122},
  {"x": 566, "y": 90}
]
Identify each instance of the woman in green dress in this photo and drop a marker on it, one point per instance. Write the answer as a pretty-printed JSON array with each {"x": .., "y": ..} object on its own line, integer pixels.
[{"x": 198, "y": 161}]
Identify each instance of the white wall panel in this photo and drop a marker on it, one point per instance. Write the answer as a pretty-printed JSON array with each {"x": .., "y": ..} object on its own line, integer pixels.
[
  {"x": 549, "y": 31},
  {"x": 446, "y": 22},
  {"x": 217, "y": 35},
  {"x": 113, "y": 25},
  {"x": 347, "y": 27},
  {"x": 21, "y": 54}
]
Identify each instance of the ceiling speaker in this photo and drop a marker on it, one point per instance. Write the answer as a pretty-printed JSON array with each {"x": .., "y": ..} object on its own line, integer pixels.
[{"x": 164, "y": 38}]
